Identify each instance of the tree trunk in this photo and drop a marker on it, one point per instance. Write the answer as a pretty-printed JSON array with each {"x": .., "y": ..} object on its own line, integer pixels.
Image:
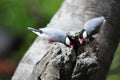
[{"x": 71, "y": 17}]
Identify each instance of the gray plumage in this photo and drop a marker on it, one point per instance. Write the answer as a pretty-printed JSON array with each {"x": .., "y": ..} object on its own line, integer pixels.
[
  {"x": 56, "y": 35},
  {"x": 92, "y": 26}
]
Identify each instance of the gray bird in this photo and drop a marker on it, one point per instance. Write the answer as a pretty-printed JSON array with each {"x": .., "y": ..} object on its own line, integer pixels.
[
  {"x": 53, "y": 35},
  {"x": 91, "y": 27}
]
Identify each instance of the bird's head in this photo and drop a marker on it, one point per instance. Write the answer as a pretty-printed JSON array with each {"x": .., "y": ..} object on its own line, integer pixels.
[
  {"x": 82, "y": 35},
  {"x": 68, "y": 42}
]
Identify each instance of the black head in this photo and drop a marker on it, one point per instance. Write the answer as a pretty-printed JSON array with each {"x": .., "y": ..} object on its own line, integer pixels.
[
  {"x": 82, "y": 35},
  {"x": 69, "y": 41}
]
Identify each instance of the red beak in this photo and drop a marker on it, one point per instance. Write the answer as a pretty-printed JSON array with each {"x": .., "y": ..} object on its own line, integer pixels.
[
  {"x": 80, "y": 40},
  {"x": 71, "y": 46}
]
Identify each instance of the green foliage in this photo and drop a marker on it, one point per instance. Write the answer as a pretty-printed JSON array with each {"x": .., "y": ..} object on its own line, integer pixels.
[
  {"x": 113, "y": 77},
  {"x": 13, "y": 15},
  {"x": 17, "y": 15},
  {"x": 114, "y": 73},
  {"x": 48, "y": 8}
]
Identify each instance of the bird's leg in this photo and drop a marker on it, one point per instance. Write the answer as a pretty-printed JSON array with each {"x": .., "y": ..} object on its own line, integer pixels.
[
  {"x": 96, "y": 36},
  {"x": 87, "y": 40}
]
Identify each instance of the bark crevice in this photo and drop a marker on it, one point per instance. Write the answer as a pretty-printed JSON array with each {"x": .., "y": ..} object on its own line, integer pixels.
[{"x": 64, "y": 63}]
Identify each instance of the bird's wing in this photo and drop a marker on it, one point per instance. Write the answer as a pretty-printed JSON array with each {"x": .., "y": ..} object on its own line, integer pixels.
[
  {"x": 55, "y": 34},
  {"x": 93, "y": 25}
]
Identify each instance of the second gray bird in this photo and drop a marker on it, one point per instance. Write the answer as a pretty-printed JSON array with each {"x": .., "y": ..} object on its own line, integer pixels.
[
  {"x": 91, "y": 27},
  {"x": 53, "y": 35}
]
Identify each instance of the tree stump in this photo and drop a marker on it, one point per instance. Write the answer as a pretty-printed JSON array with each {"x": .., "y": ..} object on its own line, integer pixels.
[{"x": 64, "y": 63}]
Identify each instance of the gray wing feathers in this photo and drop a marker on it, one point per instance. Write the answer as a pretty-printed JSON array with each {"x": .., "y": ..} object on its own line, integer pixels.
[
  {"x": 93, "y": 25},
  {"x": 55, "y": 34}
]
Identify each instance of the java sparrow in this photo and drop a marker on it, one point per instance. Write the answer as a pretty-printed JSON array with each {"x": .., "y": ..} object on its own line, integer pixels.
[
  {"x": 53, "y": 35},
  {"x": 91, "y": 27}
]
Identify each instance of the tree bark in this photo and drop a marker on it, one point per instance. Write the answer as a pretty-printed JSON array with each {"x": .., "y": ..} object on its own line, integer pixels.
[{"x": 71, "y": 17}]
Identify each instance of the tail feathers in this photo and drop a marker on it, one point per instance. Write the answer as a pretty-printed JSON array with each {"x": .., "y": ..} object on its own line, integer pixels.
[{"x": 35, "y": 30}]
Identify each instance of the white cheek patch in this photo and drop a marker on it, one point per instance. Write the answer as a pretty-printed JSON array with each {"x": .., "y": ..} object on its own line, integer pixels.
[
  {"x": 67, "y": 41},
  {"x": 84, "y": 34}
]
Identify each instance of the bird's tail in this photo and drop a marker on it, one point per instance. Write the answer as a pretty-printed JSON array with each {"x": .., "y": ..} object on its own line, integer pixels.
[{"x": 35, "y": 30}]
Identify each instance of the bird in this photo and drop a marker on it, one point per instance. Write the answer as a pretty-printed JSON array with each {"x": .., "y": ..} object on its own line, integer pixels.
[
  {"x": 91, "y": 27},
  {"x": 53, "y": 35}
]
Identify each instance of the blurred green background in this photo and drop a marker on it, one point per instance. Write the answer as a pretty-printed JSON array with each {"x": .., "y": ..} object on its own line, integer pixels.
[{"x": 15, "y": 39}]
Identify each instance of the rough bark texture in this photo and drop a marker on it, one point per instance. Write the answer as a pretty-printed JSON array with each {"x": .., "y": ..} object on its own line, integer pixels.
[
  {"x": 51, "y": 65},
  {"x": 64, "y": 63},
  {"x": 71, "y": 17}
]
